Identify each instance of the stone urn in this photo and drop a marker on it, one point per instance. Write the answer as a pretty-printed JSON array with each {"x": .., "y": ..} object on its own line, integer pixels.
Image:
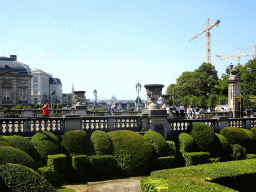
[
  {"x": 165, "y": 99},
  {"x": 154, "y": 91},
  {"x": 79, "y": 96}
]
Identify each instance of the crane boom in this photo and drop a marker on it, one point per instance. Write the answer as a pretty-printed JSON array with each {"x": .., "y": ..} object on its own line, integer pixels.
[
  {"x": 208, "y": 39},
  {"x": 208, "y": 28}
]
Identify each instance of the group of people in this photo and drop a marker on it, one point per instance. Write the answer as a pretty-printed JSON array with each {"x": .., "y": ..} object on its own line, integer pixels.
[
  {"x": 180, "y": 110},
  {"x": 192, "y": 112}
]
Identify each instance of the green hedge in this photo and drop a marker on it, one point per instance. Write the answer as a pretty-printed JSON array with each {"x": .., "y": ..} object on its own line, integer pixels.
[
  {"x": 102, "y": 143},
  {"x": 46, "y": 143},
  {"x": 57, "y": 162},
  {"x": 158, "y": 142},
  {"x": 14, "y": 155},
  {"x": 241, "y": 136},
  {"x": 22, "y": 178},
  {"x": 221, "y": 148},
  {"x": 171, "y": 148},
  {"x": 187, "y": 143},
  {"x": 52, "y": 176},
  {"x": 195, "y": 158},
  {"x": 5, "y": 143},
  {"x": 203, "y": 135},
  {"x": 76, "y": 142},
  {"x": 81, "y": 165},
  {"x": 197, "y": 178},
  {"x": 166, "y": 162},
  {"x": 4, "y": 138},
  {"x": 25, "y": 145},
  {"x": 101, "y": 165},
  {"x": 134, "y": 153}
]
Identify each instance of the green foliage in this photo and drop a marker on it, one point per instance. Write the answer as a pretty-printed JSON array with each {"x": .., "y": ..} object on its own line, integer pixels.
[
  {"x": 171, "y": 148},
  {"x": 46, "y": 143},
  {"x": 193, "y": 101},
  {"x": 5, "y": 108},
  {"x": 223, "y": 85},
  {"x": 197, "y": 178},
  {"x": 4, "y": 138},
  {"x": 51, "y": 176},
  {"x": 195, "y": 158},
  {"x": 99, "y": 109},
  {"x": 4, "y": 143},
  {"x": 166, "y": 162},
  {"x": 25, "y": 145},
  {"x": 221, "y": 148},
  {"x": 186, "y": 101},
  {"x": 158, "y": 142},
  {"x": 81, "y": 165},
  {"x": 14, "y": 155},
  {"x": 212, "y": 101},
  {"x": 21, "y": 178},
  {"x": 187, "y": 143},
  {"x": 59, "y": 106},
  {"x": 135, "y": 149},
  {"x": 202, "y": 101},
  {"x": 76, "y": 142},
  {"x": 203, "y": 135},
  {"x": 102, "y": 143},
  {"x": 238, "y": 152},
  {"x": 102, "y": 165},
  {"x": 58, "y": 162},
  {"x": 244, "y": 137}
]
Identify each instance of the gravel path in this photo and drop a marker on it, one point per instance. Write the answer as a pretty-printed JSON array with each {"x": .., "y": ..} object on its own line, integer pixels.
[{"x": 117, "y": 185}]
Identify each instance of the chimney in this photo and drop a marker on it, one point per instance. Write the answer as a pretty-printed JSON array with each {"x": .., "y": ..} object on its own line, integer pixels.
[{"x": 14, "y": 57}]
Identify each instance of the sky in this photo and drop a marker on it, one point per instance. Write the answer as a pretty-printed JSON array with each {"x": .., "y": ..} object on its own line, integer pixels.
[{"x": 111, "y": 45}]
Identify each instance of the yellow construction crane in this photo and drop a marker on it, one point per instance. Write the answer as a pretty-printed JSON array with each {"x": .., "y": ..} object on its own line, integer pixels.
[
  {"x": 208, "y": 39},
  {"x": 237, "y": 56}
]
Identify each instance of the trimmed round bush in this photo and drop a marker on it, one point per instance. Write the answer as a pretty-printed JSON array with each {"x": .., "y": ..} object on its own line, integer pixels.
[
  {"x": 14, "y": 155},
  {"x": 253, "y": 130},
  {"x": 133, "y": 152},
  {"x": 21, "y": 178},
  {"x": 238, "y": 152},
  {"x": 25, "y": 145},
  {"x": 46, "y": 143},
  {"x": 203, "y": 135},
  {"x": 241, "y": 136},
  {"x": 158, "y": 142},
  {"x": 187, "y": 143},
  {"x": 76, "y": 142},
  {"x": 102, "y": 143}
]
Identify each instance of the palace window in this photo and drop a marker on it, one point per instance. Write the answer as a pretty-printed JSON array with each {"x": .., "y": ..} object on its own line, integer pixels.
[
  {"x": 6, "y": 94},
  {"x": 35, "y": 89},
  {"x": 23, "y": 95},
  {"x": 35, "y": 79},
  {"x": 35, "y": 101}
]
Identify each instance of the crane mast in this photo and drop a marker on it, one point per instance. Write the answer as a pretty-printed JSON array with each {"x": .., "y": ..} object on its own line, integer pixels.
[{"x": 208, "y": 39}]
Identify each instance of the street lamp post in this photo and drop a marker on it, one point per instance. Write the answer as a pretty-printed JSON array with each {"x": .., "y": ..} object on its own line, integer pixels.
[{"x": 138, "y": 87}]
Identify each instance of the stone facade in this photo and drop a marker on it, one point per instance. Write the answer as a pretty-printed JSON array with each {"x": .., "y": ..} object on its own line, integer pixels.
[{"x": 15, "y": 82}]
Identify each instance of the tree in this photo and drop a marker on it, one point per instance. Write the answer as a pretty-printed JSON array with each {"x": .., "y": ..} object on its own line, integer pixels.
[
  {"x": 202, "y": 101},
  {"x": 210, "y": 78},
  {"x": 223, "y": 85},
  {"x": 212, "y": 101}
]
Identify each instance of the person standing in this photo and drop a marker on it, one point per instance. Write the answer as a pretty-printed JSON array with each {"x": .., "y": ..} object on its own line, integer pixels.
[
  {"x": 112, "y": 110},
  {"x": 168, "y": 110},
  {"x": 177, "y": 110},
  {"x": 197, "y": 112},
  {"x": 46, "y": 111},
  {"x": 189, "y": 112},
  {"x": 109, "y": 109},
  {"x": 181, "y": 110}
]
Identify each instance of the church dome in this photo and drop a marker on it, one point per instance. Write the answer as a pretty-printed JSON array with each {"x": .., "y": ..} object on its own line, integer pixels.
[{"x": 10, "y": 64}]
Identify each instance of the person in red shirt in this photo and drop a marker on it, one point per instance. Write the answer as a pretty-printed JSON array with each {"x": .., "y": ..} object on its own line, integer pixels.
[{"x": 46, "y": 111}]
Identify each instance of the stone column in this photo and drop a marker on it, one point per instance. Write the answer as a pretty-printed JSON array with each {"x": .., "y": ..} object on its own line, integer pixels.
[
  {"x": 234, "y": 91},
  {"x": 27, "y": 113},
  {"x": 158, "y": 123}
]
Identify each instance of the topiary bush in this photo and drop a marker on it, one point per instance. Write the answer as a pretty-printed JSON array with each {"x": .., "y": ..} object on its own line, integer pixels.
[
  {"x": 46, "y": 143},
  {"x": 238, "y": 152},
  {"x": 158, "y": 142},
  {"x": 102, "y": 143},
  {"x": 25, "y": 145},
  {"x": 21, "y": 178},
  {"x": 4, "y": 138},
  {"x": 76, "y": 142},
  {"x": 222, "y": 148},
  {"x": 203, "y": 135},
  {"x": 133, "y": 152},
  {"x": 171, "y": 148},
  {"x": 195, "y": 158},
  {"x": 187, "y": 143},
  {"x": 4, "y": 143},
  {"x": 14, "y": 155},
  {"x": 241, "y": 136}
]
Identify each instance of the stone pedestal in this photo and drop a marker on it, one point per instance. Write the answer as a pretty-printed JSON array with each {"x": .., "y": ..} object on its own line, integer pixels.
[
  {"x": 81, "y": 112},
  {"x": 73, "y": 124},
  {"x": 158, "y": 121},
  {"x": 234, "y": 91}
]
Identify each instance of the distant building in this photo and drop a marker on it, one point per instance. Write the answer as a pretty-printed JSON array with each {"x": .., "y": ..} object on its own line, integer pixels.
[
  {"x": 45, "y": 88},
  {"x": 15, "y": 82}
]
